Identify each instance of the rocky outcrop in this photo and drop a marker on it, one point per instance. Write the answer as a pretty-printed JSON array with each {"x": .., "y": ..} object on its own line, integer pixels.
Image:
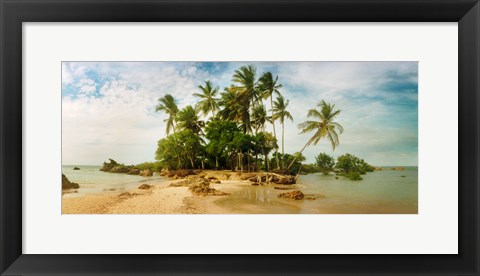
[
  {"x": 397, "y": 169},
  {"x": 198, "y": 185},
  {"x": 115, "y": 167},
  {"x": 67, "y": 185},
  {"x": 76, "y": 168},
  {"x": 134, "y": 171},
  {"x": 120, "y": 169},
  {"x": 298, "y": 195},
  {"x": 146, "y": 173},
  {"x": 295, "y": 195},
  {"x": 202, "y": 187},
  {"x": 178, "y": 174}
]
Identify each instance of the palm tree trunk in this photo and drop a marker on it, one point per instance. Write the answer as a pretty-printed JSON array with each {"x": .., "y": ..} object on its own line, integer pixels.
[
  {"x": 297, "y": 155},
  {"x": 267, "y": 165},
  {"x": 274, "y": 132},
  {"x": 176, "y": 142},
  {"x": 191, "y": 162},
  {"x": 283, "y": 145},
  {"x": 254, "y": 115}
]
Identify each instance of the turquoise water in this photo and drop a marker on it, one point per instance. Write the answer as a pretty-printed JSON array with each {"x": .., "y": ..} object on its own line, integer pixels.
[
  {"x": 379, "y": 192},
  {"x": 94, "y": 181}
]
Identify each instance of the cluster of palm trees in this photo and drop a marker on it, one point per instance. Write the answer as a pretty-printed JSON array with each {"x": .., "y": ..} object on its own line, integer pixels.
[{"x": 243, "y": 103}]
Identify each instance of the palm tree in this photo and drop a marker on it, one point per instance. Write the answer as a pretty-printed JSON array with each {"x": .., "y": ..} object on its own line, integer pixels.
[
  {"x": 188, "y": 118},
  {"x": 324, "y": 127},
  {"x": 247, "y": 92},
  {"x": 260, "y": 118},
  {"x": 208, "y": 102},
  {"x": 280, "y": 112},
  {"x": 168, "y": 105},
  {"x": 268, "y": 86}
]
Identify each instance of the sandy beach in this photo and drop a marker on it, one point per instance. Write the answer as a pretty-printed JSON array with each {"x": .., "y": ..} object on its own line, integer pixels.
[{"x": 159, "y": 199}]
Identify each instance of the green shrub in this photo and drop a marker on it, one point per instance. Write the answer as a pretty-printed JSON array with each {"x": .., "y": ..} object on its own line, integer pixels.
[
  {"x": 354, "y": 176},
  {"x": 325, "y": 163}
]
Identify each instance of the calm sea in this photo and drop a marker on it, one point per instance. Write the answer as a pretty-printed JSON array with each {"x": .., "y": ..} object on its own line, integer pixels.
[
  {"x": 379, "y": 192},
  {"x": 94, "y": 181}
]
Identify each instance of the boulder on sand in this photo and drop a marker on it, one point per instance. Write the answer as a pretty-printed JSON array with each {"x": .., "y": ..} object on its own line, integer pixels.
[
  {"x": 145, "y": 187},
  {"x": 201, "y": 186},
  {"x": 66, "y": 184}
]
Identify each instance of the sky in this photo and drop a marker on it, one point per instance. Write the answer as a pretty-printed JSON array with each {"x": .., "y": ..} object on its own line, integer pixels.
[{"x": 108, "y": 108}]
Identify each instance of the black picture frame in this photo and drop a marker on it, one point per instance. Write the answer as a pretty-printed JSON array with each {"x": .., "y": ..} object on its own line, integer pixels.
[{"x": 14, "y": 12}]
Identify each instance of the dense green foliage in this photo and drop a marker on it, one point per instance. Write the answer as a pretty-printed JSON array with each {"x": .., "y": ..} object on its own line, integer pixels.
[
  {"x": 153, "y": 166},
  {"x": 186, "y": 144},
  {"x": 352, "y": 166},
  {"x": 350, "y": 163},
  {"x": 310, "y": 168},
  {"x": 325, "y": 163}
]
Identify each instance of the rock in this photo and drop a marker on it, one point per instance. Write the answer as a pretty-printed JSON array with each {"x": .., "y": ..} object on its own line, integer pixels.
[
  {"x": 145, "y": 187},
  {"x": 295, "y": 195},
  {"x": 202, "y": 187},
  {"x": 119, "y": 169},
  {"x": 146, "y": 173},
  {"x": 397, "y": 169},
  {"x": 66, "y": 184},
  {"x": 76, "y": 168},
  {"x": 134, "y": 171},
  {"x": 183, "y": 183},
  {"x": 378, "y": 169},
  {"x": 126, "y": 195},
  {"x": 216, "y": 181}
]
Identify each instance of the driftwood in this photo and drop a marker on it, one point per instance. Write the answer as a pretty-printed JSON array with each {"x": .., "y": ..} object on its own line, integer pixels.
[{"x": 269, "y": 178}]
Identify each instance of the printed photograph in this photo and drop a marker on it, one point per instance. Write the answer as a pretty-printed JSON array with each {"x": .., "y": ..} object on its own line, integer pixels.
[{"x": 239, "y": 137}]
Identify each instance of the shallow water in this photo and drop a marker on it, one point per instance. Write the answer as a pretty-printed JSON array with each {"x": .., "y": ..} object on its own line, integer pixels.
[
  {"x": 380, "y": 192},
  {"x": 94, "y": 181}
]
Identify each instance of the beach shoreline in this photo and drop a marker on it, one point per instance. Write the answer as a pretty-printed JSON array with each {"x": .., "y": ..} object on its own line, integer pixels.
[
  {"x": 227, "y": 192},
  {"x": 161, "y": 198}
]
